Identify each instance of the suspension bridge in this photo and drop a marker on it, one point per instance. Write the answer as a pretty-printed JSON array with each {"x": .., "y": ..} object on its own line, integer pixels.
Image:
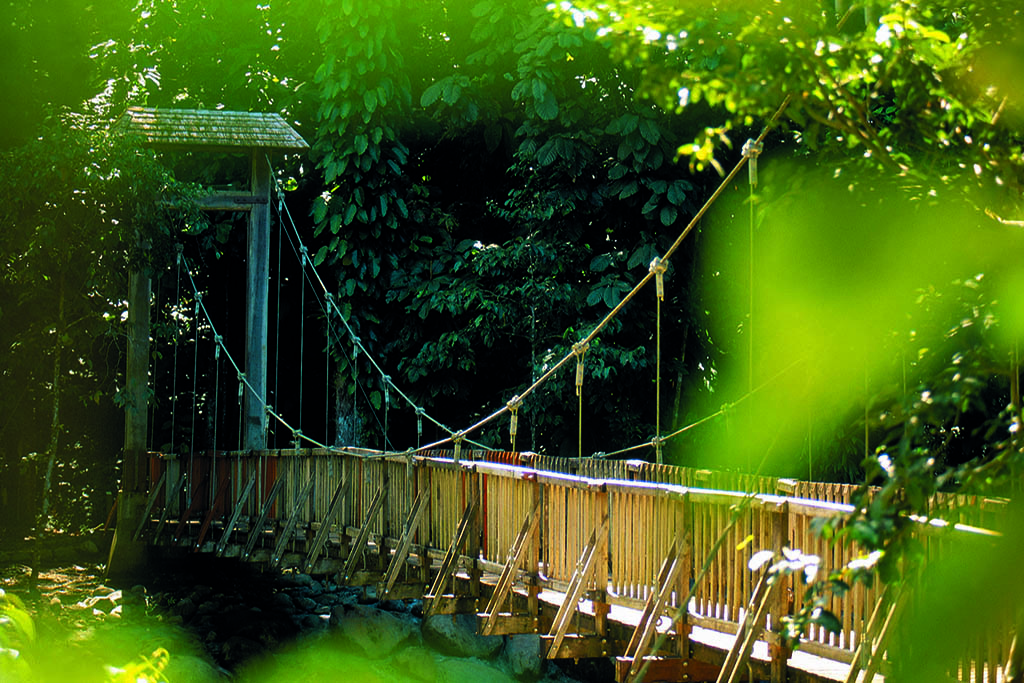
[{"x": 662, "y": 568}]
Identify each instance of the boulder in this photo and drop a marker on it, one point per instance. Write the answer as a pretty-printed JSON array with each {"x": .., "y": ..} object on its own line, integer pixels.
[
  {"x": 416, "y": 663},
  {"x": 191, "y": 668},
  {"x": 456, "y": 635},
  {"x": 236, "y": 650},
  {"x": 373, "y": 632},
  {"x": 462, "y": 670},
  {"x": 522, "y": 652}
]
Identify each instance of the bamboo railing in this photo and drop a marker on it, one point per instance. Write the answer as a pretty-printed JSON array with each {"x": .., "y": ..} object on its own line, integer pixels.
[{"x": 604, "y": 530}]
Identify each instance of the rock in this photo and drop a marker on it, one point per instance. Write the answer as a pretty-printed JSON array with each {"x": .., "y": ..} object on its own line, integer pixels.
[
  {"x": 208, "y": 607},
  {"x": 374, "y": 632},
  {"x": 456, "y": 635},
  {"x": 201, "y": 592},
  {"x": 191, "y": 668},
  {"x": 282, "y": 601},
  {"x": 238, "y": 649},
  {"x": 416, "y": 608},
  {"x": 184, "y": 608},
  {"x": 310, "y": 622},
  {"x": 417, "y": 663},
  {"x": 522, "y": 652},
  {"x": 367, "y": 596},
  {"x": 89, "y": 547},
  {"x": 304, "y": 604},
  {"x": 392, "y": 605},
  {"x": 459, "y": 670}
]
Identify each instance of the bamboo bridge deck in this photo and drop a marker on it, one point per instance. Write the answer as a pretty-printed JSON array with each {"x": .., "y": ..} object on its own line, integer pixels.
[{"x": 594, "y": 555}]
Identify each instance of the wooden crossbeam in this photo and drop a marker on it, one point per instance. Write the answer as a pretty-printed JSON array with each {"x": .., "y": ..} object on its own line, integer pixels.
[
  {"x": 871, "y": 648},
  {"x": 749, "y": 631},
  {"x": 261, "y": 519},
  {"x": 359, "y": 546},
  {"x": 235, "y": 514},
  {"x": 508, "y": 572},
  {"x": 450, "y": 564},
  {"x": 222, "y": 490},
  {"x": 293, "y": 519},
  {"x": 339, "y": 497},
  {"x": 167, "y": 508},
  {"x": 412, "y": 523},
  {"x": 580, "y": 577},
  {"x": 149, "y": 505},
  {"x": 654, "y": 607}
]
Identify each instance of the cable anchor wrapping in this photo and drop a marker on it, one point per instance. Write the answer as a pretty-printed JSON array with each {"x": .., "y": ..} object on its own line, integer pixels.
[
  {"x": 580, "y": 349},
  {"x": 752, "y": 150},
  {"x": 658, "y": 267}
]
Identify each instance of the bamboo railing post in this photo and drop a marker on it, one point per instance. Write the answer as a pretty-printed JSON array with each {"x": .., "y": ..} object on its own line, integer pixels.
[
  {"x": 533, "y": 556},
  {"x": 684, "y": 526},
  {"x": 476, "y": 527},
  {"x": 779, "y": 603},
  {"x": 600, "y": 594}
]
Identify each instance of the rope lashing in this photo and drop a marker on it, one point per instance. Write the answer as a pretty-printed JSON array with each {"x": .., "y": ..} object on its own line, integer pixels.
[
  {"x": 296, "y": 439},
  {"x": 218, "y": 341},
  {"x": 457, "y": 438},
  {"x": 580, "y": 349},
  {"x": 419, "y": 425},
  {"x": 752, "y": 150},
  {"x": 513, "y": 428},
  {"x": 241, "y": 386},
  {"x": 658, "y": 443},
  {"x": 658, "y": 267}
]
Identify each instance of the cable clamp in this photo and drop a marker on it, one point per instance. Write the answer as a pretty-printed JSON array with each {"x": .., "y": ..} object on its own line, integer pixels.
[
  {"x": 658, "y": 267},
  {"x": 752, "y": 150},
  {"x": 297, "y": 438},
  {"x": 457, "y": 440},
  {"x": 419, "y": 411},
  {"x": 304, "y": 252},
  {"x": 514, "y": 403},
  {"x": 199, "y": 298},
  {"x": 580, "y": 349}
]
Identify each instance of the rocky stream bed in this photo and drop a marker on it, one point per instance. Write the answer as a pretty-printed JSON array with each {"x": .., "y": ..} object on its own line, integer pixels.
[{"x": 223, "y": 620}]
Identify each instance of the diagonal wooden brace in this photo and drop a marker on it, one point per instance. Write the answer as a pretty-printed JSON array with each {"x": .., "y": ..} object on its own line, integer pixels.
[
  {"x": 508, "y": 573},
  {"x": 404, "y": 543},
  {"x": 222, "y": 490},
  {"x": 450, "y": 564},
  {"x": 654, "y": 607},
  {"x": 364, "y": 533},
  {"x": 340, "y": 495},
  {"x": 167, "y": 508},
  {"x": 261, "y": 519},
  {"x": 749, "y": 631},
  {"x": 580, "y": 577},
  {"x": 149, "y": 505},
  {"x": 239, "y": 506},
  {"x": 871, "y": 648},
  {"x": 193, "y": 505},
  {"x": 289, "y": 527}
]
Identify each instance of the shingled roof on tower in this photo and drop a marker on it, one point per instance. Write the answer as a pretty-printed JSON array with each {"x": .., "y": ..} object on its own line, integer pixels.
[{"x": 210, "y": 128}]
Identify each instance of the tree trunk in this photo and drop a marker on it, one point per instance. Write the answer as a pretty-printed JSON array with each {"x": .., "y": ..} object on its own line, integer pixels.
[{"x": 55, "y": 427}]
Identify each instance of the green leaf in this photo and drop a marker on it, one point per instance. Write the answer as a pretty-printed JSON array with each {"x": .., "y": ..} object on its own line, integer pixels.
[
  {"x": 600, "y": 263},
  {"x": 547, "y": 108},
  {"x": 319, "y": 209},
  {"x": 827, "y": 620},
  {"x": 649, "y": 131},
  {"x": 350, "y": 213},
  {"x": 360, "y": 143},
  {"x": 321, "y": 254},
  {"x": 668, "y": 215}
]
